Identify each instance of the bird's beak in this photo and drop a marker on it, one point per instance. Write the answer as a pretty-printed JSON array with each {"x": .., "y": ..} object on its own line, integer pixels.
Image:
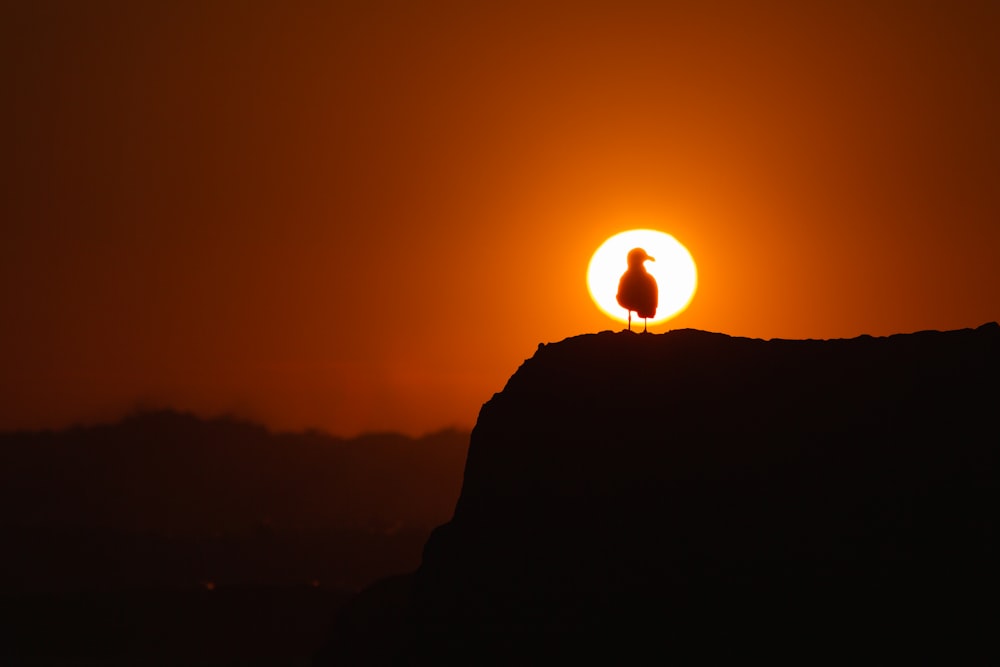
[{"x": 652, "y": 259}]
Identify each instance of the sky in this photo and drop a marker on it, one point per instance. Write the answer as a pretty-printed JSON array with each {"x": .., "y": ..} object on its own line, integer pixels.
[{"x": 363, "y": 216}]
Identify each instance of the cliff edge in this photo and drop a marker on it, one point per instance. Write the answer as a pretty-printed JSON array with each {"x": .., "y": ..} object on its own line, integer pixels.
[{"x": 701, "y": 496}]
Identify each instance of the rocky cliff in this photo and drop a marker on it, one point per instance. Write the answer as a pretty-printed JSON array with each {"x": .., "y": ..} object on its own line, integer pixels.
[{"x": 703, "y": 496}]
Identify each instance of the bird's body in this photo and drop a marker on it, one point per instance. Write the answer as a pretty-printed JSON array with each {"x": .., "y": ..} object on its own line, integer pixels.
[{"x": 637, "y": 290}]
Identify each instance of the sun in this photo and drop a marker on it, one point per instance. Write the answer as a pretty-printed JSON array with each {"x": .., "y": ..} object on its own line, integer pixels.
[{"x": 673, "y": 269}]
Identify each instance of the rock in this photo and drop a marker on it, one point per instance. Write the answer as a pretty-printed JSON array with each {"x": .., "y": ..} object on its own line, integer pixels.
[{"x": 708, "y": 497}]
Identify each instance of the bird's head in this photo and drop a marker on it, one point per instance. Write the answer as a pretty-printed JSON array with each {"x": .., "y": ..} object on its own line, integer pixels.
[{"x": 636, "y": 256}]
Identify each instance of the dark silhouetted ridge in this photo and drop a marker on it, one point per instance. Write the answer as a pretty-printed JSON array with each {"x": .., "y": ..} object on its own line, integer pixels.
[
  {"x": 170, "y": 499},
  {"x": 704, "y": 497},
  {"x": 173, "y": 540}
]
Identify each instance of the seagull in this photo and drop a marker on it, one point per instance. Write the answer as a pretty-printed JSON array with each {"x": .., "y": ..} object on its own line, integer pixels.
[{"x": 637, "y": 289}]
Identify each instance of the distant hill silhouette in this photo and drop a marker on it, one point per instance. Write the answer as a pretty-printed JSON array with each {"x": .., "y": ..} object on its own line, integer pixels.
[
  {"x": 169, "y": 499},
  {"x": 702, "y": 498}
]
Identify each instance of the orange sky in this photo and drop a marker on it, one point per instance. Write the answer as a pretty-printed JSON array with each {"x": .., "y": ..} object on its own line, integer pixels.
[{"x": 364, "y": 215}]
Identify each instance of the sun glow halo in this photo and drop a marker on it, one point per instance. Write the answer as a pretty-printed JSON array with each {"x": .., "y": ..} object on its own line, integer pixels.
[{"x": 673, "y": 269}]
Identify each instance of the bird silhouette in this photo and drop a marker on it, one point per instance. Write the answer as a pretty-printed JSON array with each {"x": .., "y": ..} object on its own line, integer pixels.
[{"x": 637, "y": 289}]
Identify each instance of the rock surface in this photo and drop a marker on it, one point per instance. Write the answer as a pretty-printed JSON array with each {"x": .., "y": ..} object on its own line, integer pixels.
[{"x": 705, "y": 497}]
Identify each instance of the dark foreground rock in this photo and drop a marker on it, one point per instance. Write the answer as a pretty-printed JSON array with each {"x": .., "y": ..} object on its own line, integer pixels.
[{"x": 701, "y": 497}]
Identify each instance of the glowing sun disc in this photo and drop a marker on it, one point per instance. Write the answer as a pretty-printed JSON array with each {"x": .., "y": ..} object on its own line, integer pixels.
[{"x": 673, "y": 269}]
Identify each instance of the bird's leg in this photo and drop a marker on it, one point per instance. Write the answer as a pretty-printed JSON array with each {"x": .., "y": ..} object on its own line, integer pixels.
[
  {"x": 644, "y": 325},
  {"x": 630, "y": 321}
]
